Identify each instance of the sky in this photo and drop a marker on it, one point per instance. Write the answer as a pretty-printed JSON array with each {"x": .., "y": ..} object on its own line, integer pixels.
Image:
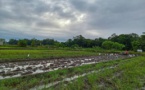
[{"x": 64, "y": 19}]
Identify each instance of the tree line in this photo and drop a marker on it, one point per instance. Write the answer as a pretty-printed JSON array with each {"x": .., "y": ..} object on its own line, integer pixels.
[{"x": 119, "y": 42}]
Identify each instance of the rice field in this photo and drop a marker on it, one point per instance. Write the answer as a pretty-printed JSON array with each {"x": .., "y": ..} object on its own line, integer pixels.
[
  {"x": 127, "y": 74},
  {"x": 116, "y": 74},
  {"x": 18, "y": 55}
]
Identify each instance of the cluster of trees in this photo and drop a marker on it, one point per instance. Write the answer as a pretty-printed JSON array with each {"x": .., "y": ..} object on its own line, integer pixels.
[
  {"x": 123, "y": 41},
  {"x": 131, "y": 41},
  {"x": 32, "y": 42},
  {"x": 112, "y": 45}
]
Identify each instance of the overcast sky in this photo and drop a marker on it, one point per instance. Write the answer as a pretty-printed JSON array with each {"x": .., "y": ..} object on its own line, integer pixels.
[{"x": 64, "y": 19}]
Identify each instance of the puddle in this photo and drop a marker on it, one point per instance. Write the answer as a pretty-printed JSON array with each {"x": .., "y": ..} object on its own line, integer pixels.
[
  {"x": 68, "y": 79},
  {"x": 18, "y": 69}
]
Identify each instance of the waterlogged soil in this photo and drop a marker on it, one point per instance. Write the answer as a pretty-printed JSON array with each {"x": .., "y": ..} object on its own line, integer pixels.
[
  {"x": 67, "y": 80},
  {"x": 18, "y": 69}
]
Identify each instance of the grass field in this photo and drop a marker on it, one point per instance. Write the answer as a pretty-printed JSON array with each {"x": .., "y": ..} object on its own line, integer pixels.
[
  {"x": 13, "y": 55},
  {"x": 129, "y": 74}
]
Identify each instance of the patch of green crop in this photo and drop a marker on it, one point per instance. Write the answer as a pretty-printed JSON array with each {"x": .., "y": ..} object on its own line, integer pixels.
[
  {"x": 17, "y": 55},
  {"x": 128, "y": 75},
  {"x": 23, "y": 83}
]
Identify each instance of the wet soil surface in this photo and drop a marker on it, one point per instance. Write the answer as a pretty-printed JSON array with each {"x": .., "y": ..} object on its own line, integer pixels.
[
  {"x": 17, "y": 69},
  {"x": 68, "y": 80}
]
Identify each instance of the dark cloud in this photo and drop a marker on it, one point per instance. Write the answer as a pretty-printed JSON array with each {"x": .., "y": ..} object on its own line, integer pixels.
[{"x": 61, "y": 19}]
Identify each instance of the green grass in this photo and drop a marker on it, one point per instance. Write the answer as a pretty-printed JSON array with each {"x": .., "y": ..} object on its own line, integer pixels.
[
  {"x": 15, "y": 55},
  {"x": 94, "y": 81},
  {"x": 26, "y": 82},
  {"x": 128, "y": 75}
]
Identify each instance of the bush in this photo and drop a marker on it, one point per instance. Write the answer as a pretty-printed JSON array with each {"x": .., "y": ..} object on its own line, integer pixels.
[{"x": 22, "y": 43}]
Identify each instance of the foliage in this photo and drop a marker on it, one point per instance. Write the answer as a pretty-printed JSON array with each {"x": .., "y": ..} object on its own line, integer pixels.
[
  {"x": 22, "y": 43},
  {"x": 112, "y": 45},
  {"x": 136, "y": 45},
  {"x": 13, "y": 55},
  {"x": 27, "y": 82},
  {"x": 125, "y": 39},
  {"x": 13, "y": 41},
  {"x": 33, "y": 43},
  {"x": 81, "y": 41},
  {"x": 117, "y": 46},
  {"x": 142, "y": 41},
  {"x": 128, "y": 75},
  {"x": 107, "y": 44}
]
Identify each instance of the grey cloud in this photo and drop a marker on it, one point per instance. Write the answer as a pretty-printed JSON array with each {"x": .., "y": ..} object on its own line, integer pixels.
[
  {"x": 84, "y": 6},
  {"x": 47, "y": 24},
  {"x": 117, "y": 14},
  {"x": 111, "y": 16}
]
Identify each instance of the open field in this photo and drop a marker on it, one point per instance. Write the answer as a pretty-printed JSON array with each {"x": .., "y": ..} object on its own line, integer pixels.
[
  {"x": 35, "y": 53},
  {"x": 16, "y": 55},
  {"x": 68, "y": 69},
  {"x": 128, "y": 74},
  {"x": 18, "y": 69},
  {"x": 124, "y": 73}
]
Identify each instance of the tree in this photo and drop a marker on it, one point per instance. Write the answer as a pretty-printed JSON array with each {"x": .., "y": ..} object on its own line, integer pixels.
[
  {"x": 135, "y": 45},
  {"x": 113, "y": 37},
  {"x": 142, "y": 42},
  {"x": 69, "y": 43},
  {"x": 22, "y": 43},
  {"x": 33, "y": 43},
  {"x": 107, "y": 44},
  {"x": 112, "y": 45},
  {"x": 48, "y": 41},
  {"x": 98, "y": 41},
  {"x": 117, "y": 46},
  {"x": 125, "y": 39},
  {"x": 13, "y": 42},
  {"x": 88, "y": 43},
  {"x": 79, "y": 40}
]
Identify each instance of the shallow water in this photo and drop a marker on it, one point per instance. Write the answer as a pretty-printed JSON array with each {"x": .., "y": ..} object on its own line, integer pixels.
[
  {"x": 18, "y": 69},
  {"x": 68, "y": 79}
]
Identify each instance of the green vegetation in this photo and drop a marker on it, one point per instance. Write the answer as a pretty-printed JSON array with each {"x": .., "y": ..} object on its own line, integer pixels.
[
  {"x": 112, "y": 45},
  {"x": 15, "y": 55},
  {"x": 22, "y": 43},
  {"x": 120, "y": 42},
  {"x": 128, "y": 75},
  {"x": 26, "y": 82},
  {"x": 135, "y": 45}
]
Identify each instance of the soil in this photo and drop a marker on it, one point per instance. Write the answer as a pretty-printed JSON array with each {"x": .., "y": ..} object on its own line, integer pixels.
[{"x": 23, "y": 68}]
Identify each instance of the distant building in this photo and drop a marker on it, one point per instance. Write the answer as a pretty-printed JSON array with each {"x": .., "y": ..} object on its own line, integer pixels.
[{"x": 2, "y": 41}]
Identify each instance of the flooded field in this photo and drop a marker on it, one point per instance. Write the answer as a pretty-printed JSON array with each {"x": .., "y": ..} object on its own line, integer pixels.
[
  {"x": 17, "y": 69},
  {"x": 68, "y": 79}
]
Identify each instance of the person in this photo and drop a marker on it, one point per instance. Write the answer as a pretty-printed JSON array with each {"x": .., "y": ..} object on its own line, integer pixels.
[{"x": 126, "y": 52}]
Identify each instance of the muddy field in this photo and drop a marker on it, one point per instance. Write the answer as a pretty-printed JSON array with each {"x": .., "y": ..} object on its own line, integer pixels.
[{"x": 17, "y": 69}]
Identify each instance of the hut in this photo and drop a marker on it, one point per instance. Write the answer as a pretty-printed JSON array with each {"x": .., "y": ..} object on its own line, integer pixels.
[{"x": 1, "y": 41}]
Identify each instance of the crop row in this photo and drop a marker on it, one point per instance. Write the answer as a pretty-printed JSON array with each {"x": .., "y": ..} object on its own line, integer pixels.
[
  {"x": 27, "y": 82},
  {"x": 129, "y": 75}
]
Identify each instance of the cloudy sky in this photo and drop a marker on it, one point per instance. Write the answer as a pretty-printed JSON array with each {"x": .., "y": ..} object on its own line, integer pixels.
[{"x": 64, "y": 19}]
